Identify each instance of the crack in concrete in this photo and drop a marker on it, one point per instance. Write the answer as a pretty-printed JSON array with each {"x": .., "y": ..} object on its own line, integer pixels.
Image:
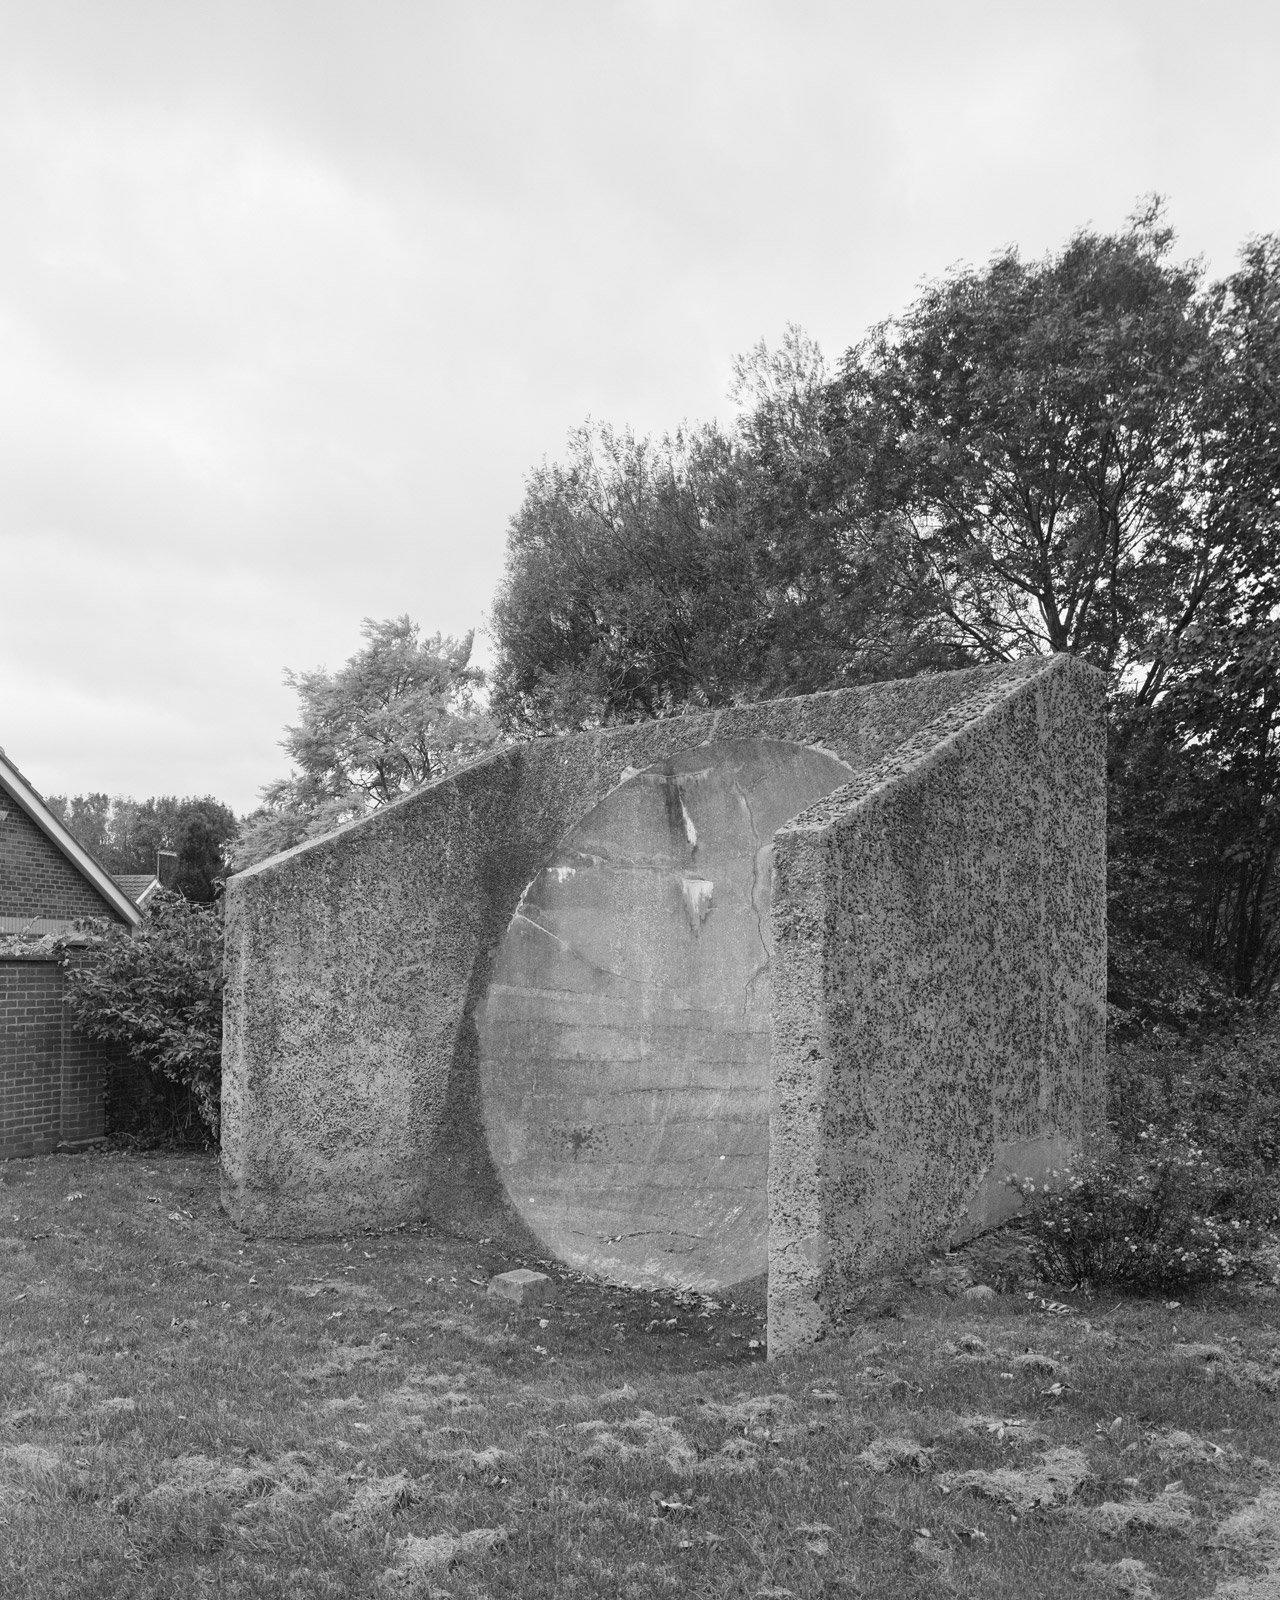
[
  {"x": 763, "y": 966},
  {"x": 573, "y": 950}
]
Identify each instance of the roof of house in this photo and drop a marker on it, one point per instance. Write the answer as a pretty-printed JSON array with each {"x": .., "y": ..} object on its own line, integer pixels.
[
  {"x": 139, "y": 886},
  {"x": 23, "y": 795}
]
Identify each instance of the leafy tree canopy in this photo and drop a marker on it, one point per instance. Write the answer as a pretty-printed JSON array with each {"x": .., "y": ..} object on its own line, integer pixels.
[
  {"x": 124, "y": 834},
  {"x": 1079, "y": 453},
  {"x": 403, "y": 710},
  {"x": 701, "y": 568}
]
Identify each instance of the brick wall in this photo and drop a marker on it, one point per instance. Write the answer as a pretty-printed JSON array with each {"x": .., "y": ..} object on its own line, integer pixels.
[
  {"x": 51, "y": 1076},
  {"x": 36, "y": 879}
]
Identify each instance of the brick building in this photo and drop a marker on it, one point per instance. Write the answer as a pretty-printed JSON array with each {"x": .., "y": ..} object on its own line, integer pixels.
[{"x": 51, "y": 1077}]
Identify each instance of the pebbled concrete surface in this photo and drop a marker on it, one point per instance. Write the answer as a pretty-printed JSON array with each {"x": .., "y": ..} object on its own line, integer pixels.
[
  {"x": 624, "y": 1039},
  {"x": 939, "y": 987}
]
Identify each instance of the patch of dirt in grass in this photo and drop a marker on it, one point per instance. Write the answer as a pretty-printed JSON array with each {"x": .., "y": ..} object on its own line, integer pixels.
[
  {"x": 199, "y": 1477},
  {"x": 758, "y": 1414},
  {"x": 1048, "y": 1482},
  {"x": 491, "y": 1459},
  {"x": 376, "y": 1499},
  {"x": 419, "y": 1560},
  {"x": 643, "y": 1435},
  {"x": 1035, "y": 1361},
  {"x": 344, "y": 1359},
  {"x": 1171, "y": 1512},
  {"x": 1128, "y": 1576},
  {"x": 1177, "y": 1448},
  {"x": 332, "y": 1286},
  {"x": 896, "y": 1453},
  {"x": 1004, "y": 1430},
  {"x": 1253, "y": 1531},
  {"x": 1216, "y": 1363},
  {"x": 27, "y": 1461},
  {"x": 70, "y": 1391}
]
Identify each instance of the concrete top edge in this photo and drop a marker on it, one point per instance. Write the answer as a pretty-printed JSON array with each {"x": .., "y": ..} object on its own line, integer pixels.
[
  {"x": 930, "y": 744},
  {"x": 993, "y": 681}
]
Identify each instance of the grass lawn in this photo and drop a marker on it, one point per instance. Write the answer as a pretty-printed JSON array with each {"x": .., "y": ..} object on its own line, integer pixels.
[{"x": 187, "y": 1412}]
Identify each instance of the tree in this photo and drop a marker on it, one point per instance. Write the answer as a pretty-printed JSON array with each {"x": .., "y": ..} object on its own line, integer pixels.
[
  {"x": 1079, "y": 453},
  {"x": 1082, "y": 454},
  {"x": 402, "y": 711},
  {"x": 1033, "y": 427},
  {"x": 702, "y": 568},
  {"x": 124, "y": 835}
]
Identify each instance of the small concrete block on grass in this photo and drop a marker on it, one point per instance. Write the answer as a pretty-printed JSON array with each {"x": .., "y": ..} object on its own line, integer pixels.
[{"x": 525, "y": 1287}]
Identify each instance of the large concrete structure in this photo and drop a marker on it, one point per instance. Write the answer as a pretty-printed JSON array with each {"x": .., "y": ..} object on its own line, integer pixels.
[{"x": 856, "y": 939}]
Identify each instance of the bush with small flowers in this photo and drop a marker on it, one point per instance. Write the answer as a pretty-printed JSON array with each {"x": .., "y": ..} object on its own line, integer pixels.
[{"x": 1161, "y": 1216}]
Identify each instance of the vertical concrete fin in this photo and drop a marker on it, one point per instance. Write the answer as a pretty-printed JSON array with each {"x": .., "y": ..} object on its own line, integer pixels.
[{"x": 961, "y": 949}]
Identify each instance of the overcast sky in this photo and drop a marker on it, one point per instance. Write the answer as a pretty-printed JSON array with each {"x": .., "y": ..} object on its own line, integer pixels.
[{"x": 292, "y": 296}]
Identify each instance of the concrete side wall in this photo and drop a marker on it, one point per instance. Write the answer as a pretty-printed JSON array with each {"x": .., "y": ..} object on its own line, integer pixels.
[
  {"x": 939, "y": 986},
  {"x": 355, "y": 963}
]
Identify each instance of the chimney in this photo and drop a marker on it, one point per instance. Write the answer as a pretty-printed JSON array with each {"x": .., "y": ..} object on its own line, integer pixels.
[{"x": 166, "y": 867}]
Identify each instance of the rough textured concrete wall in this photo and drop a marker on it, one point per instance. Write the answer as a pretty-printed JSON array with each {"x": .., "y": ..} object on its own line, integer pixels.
[
  {"x": 356, "y": 963},
  {"x": 939, "y": 986}
]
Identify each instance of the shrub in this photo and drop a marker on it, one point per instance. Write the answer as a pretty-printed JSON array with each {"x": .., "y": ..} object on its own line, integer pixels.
[
  {"x": 157, "y": 996},
  {"x": 1223, "y": 1084},
  {"x": 1160, "y": 1217}
]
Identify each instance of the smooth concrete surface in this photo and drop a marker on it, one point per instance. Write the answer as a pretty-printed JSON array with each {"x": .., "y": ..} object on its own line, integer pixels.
[
  {"x": 625, "y": 1036},
  {"x": 939, "y": 988}
]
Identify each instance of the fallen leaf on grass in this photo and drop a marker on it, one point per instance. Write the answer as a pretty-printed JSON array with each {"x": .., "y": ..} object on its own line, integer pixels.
[{"x": 1005, "y": 1430}]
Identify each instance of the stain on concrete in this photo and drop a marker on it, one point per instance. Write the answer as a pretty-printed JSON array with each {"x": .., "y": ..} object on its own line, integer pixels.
[{"x": 624, "y": 1038}]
